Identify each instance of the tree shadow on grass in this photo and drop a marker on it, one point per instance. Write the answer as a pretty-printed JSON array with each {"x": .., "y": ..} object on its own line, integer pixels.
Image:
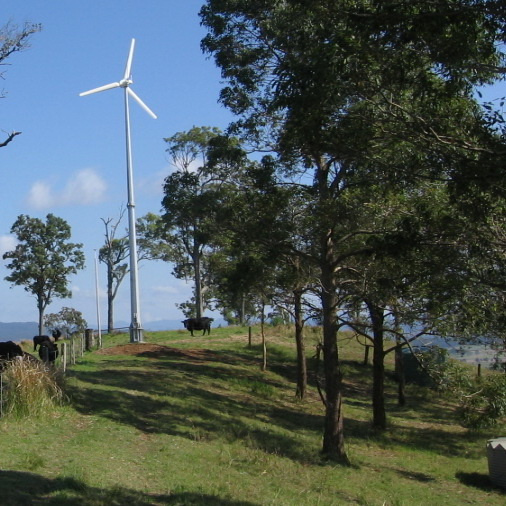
[
  {"x": 186, "y": 399},
  {"x": 21, "y": 488},
  {"x": 203, "y": 395},
  {"x": 433, "y": 439}
]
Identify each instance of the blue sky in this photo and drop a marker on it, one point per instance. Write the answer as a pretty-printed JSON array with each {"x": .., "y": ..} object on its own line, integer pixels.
[{"x": 70, "y": 158}]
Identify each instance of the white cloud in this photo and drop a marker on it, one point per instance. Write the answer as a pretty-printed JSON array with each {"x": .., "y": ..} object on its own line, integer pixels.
[
  {"x": 40, "y": 196},
  {"x": 165, "y": 289},
  {"x": 7, "y": 243},
  {"x": 85, "y": 187}
]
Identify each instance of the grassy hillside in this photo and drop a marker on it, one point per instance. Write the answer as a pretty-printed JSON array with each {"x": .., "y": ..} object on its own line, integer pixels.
[{"x": 184, "y": 420}]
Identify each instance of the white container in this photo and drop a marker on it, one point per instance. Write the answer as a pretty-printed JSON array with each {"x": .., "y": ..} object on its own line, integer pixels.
[{"x": 496, "y": 454}]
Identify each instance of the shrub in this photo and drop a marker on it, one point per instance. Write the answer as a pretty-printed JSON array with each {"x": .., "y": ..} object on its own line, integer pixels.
[
  {"x": 482, "y": 401},
  {"x": 446, "y": 374},
  {"x": 30, "y": 388},
  {"x": 486, "y": 405}
]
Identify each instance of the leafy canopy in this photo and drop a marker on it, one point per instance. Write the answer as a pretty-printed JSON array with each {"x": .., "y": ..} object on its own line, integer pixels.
[{"x": 43, "y": 258}]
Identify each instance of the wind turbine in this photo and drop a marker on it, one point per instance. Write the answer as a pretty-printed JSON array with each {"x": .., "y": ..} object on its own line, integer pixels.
[{"x": 135, "y": 325}]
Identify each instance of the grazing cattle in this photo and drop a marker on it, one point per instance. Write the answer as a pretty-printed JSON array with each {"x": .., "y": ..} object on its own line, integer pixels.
[
  {"x": 37, "y": 340},
  {"x": 203, "y": 323},
  {"x": 48, "y": 351}
]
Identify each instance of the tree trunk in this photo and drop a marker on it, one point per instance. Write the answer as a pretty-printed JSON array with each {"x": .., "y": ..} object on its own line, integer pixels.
[
  {"x": 110, "y": 299},
  {"x": 41, "y": 318},
  {"x": 299, "y": 340},
  {"x": 243, "y": 309},
  {"x": 264, "y": 345},
  {"x": 333, "y": 434},
  {"x": 110, "y": 313},
  {"x": 378, "y": 365},
  {"x": 199, "y": 305},
  {"x": 399, "y": 364},
  {"x": 399, "y": 372}
]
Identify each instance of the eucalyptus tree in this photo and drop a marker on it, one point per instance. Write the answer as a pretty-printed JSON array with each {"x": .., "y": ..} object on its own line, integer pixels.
[
  {"x": 408, "y": 275},
  {"x": 154, "y": 240},
  {"x": 68, "y": 320},
  {"x": 479, "y": 312},
  {"x": 354, "y": 94},
  {"x": 189, "y": 203},
  {"x": 43, "y": 259},
  {"x": 264, "y": 240},
  {"x": 295, "y": 281}
]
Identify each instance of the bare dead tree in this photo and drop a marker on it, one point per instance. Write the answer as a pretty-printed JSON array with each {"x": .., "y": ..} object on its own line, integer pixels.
[{"x": 113, "y": 254}]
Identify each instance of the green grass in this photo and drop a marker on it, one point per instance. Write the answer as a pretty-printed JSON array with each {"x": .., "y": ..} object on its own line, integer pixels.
[{"x": 201, "y": 424}]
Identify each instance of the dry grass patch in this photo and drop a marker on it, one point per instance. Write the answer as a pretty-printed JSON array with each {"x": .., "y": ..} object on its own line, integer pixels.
[{"x": 30, "y": 388}]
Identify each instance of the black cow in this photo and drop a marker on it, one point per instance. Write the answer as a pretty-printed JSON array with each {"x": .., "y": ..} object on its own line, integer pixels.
[
  {"x": 37, "y": 340},
  {"x": 203, "y": 323},
  {"x": 8, "y": 351},
  {"x": 48, "y": 351}
]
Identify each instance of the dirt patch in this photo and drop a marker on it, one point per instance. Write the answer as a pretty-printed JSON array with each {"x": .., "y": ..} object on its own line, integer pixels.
[{"x": 158, "y": 351}]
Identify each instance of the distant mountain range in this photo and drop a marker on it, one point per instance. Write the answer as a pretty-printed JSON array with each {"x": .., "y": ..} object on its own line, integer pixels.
[{"x": 18, "y": 331}]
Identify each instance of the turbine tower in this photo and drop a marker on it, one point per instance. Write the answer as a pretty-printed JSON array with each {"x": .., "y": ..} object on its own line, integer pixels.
[{"x": 135, "y": 325}]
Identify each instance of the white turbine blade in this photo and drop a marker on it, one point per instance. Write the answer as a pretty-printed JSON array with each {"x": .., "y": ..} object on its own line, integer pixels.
[
  {"x": 129, "y": 61},
  {"x": 100, "y": 88},
  {"x": 141, "y": 103}
]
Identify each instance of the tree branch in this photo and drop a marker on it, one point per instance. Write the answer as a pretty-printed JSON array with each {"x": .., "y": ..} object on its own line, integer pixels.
[{"x": 9, "y": 139}]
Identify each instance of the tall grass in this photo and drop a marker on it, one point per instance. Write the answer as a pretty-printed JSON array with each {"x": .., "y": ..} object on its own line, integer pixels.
[{"x": 30, "y": 388}]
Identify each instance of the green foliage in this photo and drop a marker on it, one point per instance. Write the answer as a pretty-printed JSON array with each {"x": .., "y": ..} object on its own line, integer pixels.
[
  {"x": 68, "y": 320},
  {"x": 485, "y": 405},
  {"x": 43, "y": 258},
  {"x": 113, "y": 254},
  {"x": 191, "y": 203},
  {"x": 481, "y": 400},
  {"x": 187, "y": 149},
  {"x": 377, "y": 99},
  {"x": 154, "y": 240},
  {"x": 446, "y": 374}
]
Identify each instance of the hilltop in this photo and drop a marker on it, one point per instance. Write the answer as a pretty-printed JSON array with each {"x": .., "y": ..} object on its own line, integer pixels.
[{"x": 182, "y": 420}]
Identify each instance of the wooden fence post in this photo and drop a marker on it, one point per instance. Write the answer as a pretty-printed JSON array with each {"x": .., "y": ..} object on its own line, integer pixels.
[
  {"x": 64, "y": 356},
  {"x": 88, "y": 339},
  {"x": 249, "y": 337},
  {"x": 73, "y": 350}
]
